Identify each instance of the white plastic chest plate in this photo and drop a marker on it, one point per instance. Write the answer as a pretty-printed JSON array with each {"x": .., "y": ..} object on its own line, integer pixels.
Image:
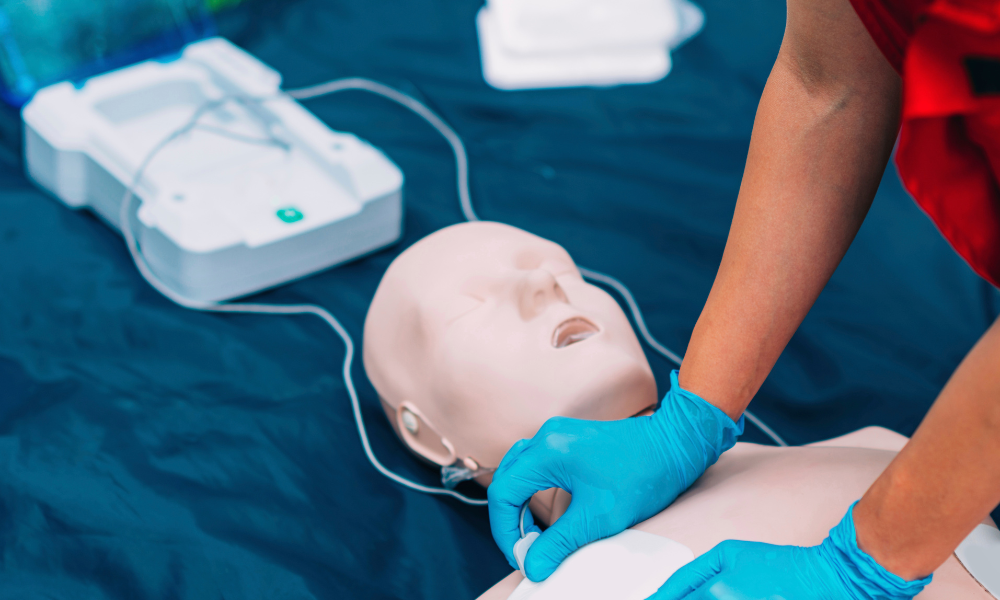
[
  {"x": 980, "y": 555},
  {"x": 629, "y": 566}
]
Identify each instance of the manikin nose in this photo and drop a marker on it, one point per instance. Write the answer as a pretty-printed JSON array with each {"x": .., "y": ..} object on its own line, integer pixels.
[{"x": 538, "y": 289}]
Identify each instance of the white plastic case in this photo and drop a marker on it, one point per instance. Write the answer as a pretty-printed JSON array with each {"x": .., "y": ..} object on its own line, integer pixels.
[{"x": 262, "y": 192}]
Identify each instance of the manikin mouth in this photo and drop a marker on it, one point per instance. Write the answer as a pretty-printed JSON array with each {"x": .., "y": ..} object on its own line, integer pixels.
[{"x": 572, "y": 331}]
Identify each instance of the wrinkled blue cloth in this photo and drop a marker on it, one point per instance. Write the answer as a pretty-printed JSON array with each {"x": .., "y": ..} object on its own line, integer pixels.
[
  {"x": 619, "y": 473},
  {"x": 837, "y": 569},
  {"x": 148, "y": 452}
]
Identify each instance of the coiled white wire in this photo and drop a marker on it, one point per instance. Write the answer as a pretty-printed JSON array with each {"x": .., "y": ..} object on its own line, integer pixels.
[
  {"x": 465, "y": 201},
  {"x": 125, "y": 223}
]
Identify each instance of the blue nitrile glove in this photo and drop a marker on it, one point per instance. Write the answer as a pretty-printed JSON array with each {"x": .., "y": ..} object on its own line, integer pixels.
[
  {"x": 835, "y": 570},
  {"x": 619, "y": 473}
]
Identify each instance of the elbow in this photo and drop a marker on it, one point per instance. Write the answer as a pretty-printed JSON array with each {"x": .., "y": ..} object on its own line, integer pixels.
[
  {"x": 832, "y": 61},
  {"x": 826, "y": 90},
  {"x": 832, "y": 90}
]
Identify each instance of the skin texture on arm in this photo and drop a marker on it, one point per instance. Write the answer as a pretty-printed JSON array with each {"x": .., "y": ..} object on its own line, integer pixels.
[
  {"x": 947, "y": 479},
  {"x": 822, "y": 136},
  {"x": 821, "y": 139}
]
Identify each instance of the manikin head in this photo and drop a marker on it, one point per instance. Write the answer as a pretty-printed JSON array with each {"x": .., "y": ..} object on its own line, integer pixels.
[{"x": 480, "y": 332}]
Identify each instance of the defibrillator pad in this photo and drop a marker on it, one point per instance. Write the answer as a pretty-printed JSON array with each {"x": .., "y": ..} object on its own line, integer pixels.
[{"x": 629, "y": 566}]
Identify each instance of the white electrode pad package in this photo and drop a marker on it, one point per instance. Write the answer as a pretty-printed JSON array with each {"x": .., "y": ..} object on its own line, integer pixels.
[
  {"x": 533, "y": 26},
  {"x": 529, "y": 44},
  {"x": 258, "y": 193},
  {"x": 629, "y": 566}
]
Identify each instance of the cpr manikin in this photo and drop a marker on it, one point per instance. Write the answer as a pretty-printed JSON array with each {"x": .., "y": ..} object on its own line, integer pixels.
[{"x": 480, "y": 332}]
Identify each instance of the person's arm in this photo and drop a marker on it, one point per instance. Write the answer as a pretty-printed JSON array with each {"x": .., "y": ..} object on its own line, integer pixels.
[
  {"x": 946, "y": 480},
  {"x": 940, "y": 486},
  {"x": 823, "y": 134},
  {"x": 821, "y": 139}
]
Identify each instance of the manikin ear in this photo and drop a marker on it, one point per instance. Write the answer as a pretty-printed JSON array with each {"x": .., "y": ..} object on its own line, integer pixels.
[{"x": 421, "y": 437}]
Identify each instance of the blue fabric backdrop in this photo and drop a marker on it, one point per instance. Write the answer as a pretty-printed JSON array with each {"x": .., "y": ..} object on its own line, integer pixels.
[{"x": 151, "y": 452}]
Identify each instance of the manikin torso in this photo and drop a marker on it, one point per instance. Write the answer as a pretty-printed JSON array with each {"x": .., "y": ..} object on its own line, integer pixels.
[
  {"x": 784, "y": 496},
  {"x": 480, "y": 332}
]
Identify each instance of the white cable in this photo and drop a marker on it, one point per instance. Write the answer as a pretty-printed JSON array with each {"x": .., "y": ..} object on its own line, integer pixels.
[
  {"x": 656, "y": 345},
  {"x": 359, "y": 83},
  {"x": 767, "y": 430},
  {"x": 520, "y": 518},
  {"x": 636, "y": 313},
  {"x": 465, "y": 201},
  {"x": 125, "y": 224},
  {"x": 633, "y": 307}
]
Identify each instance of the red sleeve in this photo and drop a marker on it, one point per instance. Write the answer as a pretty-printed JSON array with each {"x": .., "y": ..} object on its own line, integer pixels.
[{"x": 891, "y": 24}]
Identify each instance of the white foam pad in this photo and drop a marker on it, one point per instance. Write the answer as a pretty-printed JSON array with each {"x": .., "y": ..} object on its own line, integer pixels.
[
  {"x": 505, "y": 70},
  {"x": 521, "y": 548},
  {"x": 533, "y": 26},
  {"x": 691, "y": 19},
  {"x": 629, "y": 566}
]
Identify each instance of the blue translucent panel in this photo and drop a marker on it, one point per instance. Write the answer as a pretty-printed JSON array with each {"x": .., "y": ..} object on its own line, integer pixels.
[{"x": 47, "y": 41}]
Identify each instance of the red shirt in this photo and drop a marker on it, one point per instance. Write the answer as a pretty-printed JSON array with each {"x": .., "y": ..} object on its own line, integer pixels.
[{"x": 948, "y": 154}]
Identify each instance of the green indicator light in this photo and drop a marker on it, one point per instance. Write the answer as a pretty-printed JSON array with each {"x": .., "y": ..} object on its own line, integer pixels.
[{"x": 289, "y": 214}]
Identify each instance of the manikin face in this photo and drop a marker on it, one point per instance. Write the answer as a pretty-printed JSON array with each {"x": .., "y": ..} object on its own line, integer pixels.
[{"x": 484, "y": 331}]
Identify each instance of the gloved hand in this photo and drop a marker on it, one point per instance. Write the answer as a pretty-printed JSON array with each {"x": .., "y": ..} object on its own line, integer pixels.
[
  {"x": 835, "y": 570},
  {"x": 619, "y": 473}
]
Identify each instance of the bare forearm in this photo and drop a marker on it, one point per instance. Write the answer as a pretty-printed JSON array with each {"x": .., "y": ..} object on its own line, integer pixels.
[
  {"x": 821, "y": 139},
  {"x": 946, "y": 480}
]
